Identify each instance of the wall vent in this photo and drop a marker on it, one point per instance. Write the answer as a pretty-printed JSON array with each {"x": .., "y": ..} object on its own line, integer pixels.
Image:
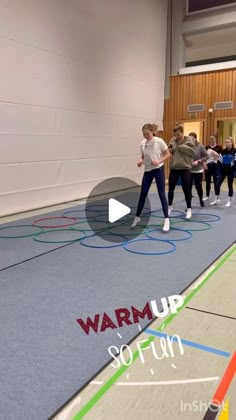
[
  {"x": 196, "y": 108},
  {"x": 218, "y": 106}
]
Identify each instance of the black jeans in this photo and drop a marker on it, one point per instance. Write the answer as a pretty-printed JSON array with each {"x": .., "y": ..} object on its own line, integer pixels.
[
  {"x": 185, "y": 176},
  {"x": 212, "y": 171},
  {"x": 197, "y": 178},
  {"x": 229, "y": 173},
  {"x": 159, "y": 175}
]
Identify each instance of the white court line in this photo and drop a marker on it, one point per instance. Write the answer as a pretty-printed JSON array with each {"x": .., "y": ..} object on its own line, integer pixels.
[
  {"x": 68, "y": 411},
  {"x": 181, "y": 381},
  {"x": 203, "y": 277}
]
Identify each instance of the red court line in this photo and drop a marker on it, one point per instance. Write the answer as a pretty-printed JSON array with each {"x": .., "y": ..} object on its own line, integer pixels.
[
  {"x": 225, "y": 382},
  {"x": 217, "y": 401}
]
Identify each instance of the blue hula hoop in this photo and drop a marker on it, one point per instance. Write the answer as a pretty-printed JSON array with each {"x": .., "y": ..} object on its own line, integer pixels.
[
  {"x": 125, "y": 246},
  {"x": 189, "y": 234},
  {"x": 82, "y": 241}
]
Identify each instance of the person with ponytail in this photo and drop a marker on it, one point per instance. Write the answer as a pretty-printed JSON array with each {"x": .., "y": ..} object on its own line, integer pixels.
[
  {"x": 182, "y": 150},
  {"x": 154, "y": 152},
  {"x": 227, "y": 169},
  {"x": 212, "y": 165},
  {"x": 197, "y": 170}
]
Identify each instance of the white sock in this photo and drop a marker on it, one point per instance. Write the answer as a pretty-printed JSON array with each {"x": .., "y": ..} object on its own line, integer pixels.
[
  {"x": 189, "y": 214},
  {"x": 170, "y": 208},
  {"x": 137, "y": 219},
  {"x": 166, "y": 226}
]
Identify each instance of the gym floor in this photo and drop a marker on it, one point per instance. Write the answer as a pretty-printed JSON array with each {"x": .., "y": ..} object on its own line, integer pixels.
[
  {"x": 168, "y": 388},
  {"x": 67, "y": 376}
]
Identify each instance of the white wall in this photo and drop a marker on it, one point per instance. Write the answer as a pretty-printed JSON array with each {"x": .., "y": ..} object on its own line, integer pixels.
[
  {"x": 208, "y": 67},
  {"x": 212, "y": 35},
  {"x": 208, "y": 21},
  {"x": 78, "y": 80},
  {"x": 211, "y": 51},
  {"x": 177, "y": 47}
]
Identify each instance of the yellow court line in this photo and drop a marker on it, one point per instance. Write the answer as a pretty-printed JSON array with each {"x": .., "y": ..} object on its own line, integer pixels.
[{"x": 224, "y": 415}]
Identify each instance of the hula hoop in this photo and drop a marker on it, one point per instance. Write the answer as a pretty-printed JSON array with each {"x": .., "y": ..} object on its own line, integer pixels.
[
  {"x": 18, "y": 236},
  {"x": 181, "y": 213},
  {"x": 189, "y": 234},
  {"x": 125, "y": 246},
  {"x": 145, "y": 210},
  {"x": 215, "y": 217},
  {"x": 91, "y": 206},
  {"x": 90, "y": 230},
  {"x": 35, "y": 238},
  {"x": 126, "y": 218},
  {"x": 82, "y": 241},
  {"x": 208, "y": 226},
  {"x": 133, "y": 232},
  {"x": 75, "y": 221},
  {"x": 83, "y": 217}
]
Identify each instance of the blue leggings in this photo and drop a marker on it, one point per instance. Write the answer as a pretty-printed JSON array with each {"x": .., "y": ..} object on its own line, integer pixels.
[
  {"x": 229, "y": 174},
  {"x": 159, "y": 175}
]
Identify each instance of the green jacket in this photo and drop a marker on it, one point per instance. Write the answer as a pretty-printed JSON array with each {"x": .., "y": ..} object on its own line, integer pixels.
[{"x": 182, "y": 153}]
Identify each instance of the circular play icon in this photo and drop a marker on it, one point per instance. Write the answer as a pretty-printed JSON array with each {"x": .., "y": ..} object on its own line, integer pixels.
[{"x": 111, "y": 208}]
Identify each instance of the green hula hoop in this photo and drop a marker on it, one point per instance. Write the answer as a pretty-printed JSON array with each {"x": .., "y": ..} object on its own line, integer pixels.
[
  {"x": 208, "y": 226},
  {"x": 36, "y": 237},
  {"x": 19, "y": 236}
]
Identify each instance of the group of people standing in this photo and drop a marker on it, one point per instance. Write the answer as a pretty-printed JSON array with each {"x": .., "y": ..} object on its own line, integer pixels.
[{"x": 189, "y": 160}]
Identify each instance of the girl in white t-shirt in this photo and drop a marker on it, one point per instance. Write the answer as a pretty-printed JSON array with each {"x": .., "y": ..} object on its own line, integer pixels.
[{"x": 154, "y": 152}]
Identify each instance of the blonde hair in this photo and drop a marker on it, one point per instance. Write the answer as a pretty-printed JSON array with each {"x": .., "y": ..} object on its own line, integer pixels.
[
  {"x": 151, "y": 127},
  {"x": 232, "y": 140}
]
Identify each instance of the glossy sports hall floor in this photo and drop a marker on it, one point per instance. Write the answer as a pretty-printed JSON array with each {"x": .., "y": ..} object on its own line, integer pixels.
[{"x": 181, "y": 366}]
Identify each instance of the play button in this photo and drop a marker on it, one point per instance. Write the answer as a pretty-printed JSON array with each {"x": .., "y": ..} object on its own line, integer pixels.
[
  {"x": 117, "y": 210},
  {"x": 110, "y": 211}
]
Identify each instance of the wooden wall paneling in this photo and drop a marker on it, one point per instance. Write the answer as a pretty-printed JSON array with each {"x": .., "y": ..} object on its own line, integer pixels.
[{"x": 202, "y": 88}]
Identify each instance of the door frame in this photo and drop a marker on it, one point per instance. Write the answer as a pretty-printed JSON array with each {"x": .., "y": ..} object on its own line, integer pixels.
[
  {"x": 216, "y": 119},
  {"x": 204, "y": 120},
  {"x": 222, "y": 119}
]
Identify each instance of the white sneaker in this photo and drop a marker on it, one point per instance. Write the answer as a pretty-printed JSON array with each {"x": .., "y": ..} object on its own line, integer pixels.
[
  {"x": 170, "y": 208},
  {"x": 136, "y": 221},
  {"x": 166, "y": 226},
  {"x": 189, "y": 214},
  {"x": 214, "y": 202},
  {"x": 205, "y": 198},
  {"x": 228, "y": 204}
]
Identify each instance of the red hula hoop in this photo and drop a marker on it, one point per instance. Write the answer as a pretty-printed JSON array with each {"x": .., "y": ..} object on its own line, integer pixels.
[{"x": 75, "y": 221}]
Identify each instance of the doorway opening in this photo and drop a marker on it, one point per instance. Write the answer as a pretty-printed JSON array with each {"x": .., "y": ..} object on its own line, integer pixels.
[
  {"x": 196, "y": 127},
  {"x": 225, "y": 127}
]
